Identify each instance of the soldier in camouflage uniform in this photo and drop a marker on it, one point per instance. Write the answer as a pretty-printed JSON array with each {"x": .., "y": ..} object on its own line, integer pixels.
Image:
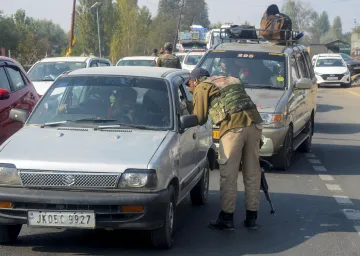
[
  {"x": 168, "y": 60},
  {"x": 225, "y": 101}
]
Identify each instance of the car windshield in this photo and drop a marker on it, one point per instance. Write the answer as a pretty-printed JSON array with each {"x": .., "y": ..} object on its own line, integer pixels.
[
  {"x": 345, "y": 57},
  {"x": 256, "y": 69},
  {"x": 49, "y": 71},
  {"x": 111, "y": 100},
  {"x": 330, "y": 62},
  {"x": 192, "y": 59},
  {"x": 149, "y": 63}
]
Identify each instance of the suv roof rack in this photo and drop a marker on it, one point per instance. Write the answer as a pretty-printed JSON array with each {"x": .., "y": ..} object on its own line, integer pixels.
[{"x": 225, "y": 34}]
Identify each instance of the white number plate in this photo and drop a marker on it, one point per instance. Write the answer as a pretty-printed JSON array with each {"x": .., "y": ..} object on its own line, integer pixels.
[
  {"x": 332, "y": 78},
  {"x": 357, "y": 68},
  {"x": 61, "y": 219}
]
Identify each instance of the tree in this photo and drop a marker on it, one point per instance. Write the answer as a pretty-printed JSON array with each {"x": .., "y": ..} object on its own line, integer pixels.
[
  {"x": 216, "y": 25},
  {"x": 322, "y": 23},
  {"x": 301, "y": 14},
  {"x": 337, "y": 27},
  {"x": 143, "y": 30},
  {"x": 9, "y": 36},
  {"x": 195, "y": 13}
]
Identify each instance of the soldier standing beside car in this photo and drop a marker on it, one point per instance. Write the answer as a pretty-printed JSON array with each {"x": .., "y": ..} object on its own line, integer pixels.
[
  {"x": 225, "y": 101},
  {"x": 168, "y": 60}
]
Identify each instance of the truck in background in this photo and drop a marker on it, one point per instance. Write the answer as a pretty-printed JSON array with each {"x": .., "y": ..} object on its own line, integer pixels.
[
  {"x": 193, "y": 39},
  {"x": 213, "y": 36}
]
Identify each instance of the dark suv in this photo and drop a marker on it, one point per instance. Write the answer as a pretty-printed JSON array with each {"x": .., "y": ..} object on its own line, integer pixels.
[{"x": 281, "y": 82}]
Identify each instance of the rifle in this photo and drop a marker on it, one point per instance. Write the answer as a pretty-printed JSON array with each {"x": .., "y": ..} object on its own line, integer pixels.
[{"x": 265, "y": 165}]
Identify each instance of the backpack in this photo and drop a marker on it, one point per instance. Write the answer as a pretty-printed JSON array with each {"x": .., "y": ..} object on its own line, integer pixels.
[
  {"x": 242, "y": 32},
  {"x": 272, "y": 24}
]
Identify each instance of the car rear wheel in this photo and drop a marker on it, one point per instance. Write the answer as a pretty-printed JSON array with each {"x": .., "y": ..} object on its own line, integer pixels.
[
  {"x": 282, "y": 160},
  {"x": 9, "y": 233},
  {"x": 164, "y": 237},
  {"x": 199, "y": 193},
  {"x": 306, "y": 145}
]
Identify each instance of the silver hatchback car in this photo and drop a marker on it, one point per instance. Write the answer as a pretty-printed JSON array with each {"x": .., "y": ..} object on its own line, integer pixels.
[{"x": 113, "y": 147}]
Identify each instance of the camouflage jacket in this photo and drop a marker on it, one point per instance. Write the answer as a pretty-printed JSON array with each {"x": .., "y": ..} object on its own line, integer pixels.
[{"x": 168, "y": 61}]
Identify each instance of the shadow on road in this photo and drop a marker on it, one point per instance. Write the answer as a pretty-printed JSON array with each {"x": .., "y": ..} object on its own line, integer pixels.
[
  {"x": 336, "y": 128},
  {"x": 311, "y": 216},
  {"x": 322, "y": 108}
]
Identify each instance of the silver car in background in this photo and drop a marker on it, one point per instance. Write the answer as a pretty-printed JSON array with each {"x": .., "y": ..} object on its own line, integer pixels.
[{"x": 113, "y": 147}]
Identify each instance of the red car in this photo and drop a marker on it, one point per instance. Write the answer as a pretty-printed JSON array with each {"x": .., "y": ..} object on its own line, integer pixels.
[{"x": 16, "y": 91}]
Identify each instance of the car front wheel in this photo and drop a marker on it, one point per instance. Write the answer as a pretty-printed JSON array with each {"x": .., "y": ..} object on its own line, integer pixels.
[
  {"x": 282, "y": 160},
  {"x": 9, "y": 233},
  {"x": 164, "y": 237},
  {"x": 199, "y": 193}
]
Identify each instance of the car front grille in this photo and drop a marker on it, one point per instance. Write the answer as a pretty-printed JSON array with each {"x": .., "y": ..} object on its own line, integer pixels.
[
  {"x": 70, "y": 180},
  {"x": 339, "y": 77}
]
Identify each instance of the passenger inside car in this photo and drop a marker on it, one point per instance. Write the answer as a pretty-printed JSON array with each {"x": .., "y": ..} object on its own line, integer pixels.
[
  {"x": 156, "y": 106},
  {"x": 124, "y": 107}
]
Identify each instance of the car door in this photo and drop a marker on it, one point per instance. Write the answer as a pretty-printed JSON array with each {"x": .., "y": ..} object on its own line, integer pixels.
[
  {"x": 5, "y": 106},
  {"x": 297, "y": 98},
  {"x": 312, "y": 97},
  {"x": 187, "y": 138}
]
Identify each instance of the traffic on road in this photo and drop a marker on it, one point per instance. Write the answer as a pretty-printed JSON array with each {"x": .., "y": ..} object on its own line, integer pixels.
[{"x": 232, "y": 141}]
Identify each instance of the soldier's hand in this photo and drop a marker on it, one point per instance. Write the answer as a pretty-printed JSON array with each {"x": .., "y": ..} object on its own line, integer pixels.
[{"x": 62, "y": 108}]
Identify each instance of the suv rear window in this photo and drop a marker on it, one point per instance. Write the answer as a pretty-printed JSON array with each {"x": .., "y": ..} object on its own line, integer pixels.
[{"x": 257, "y": 70}]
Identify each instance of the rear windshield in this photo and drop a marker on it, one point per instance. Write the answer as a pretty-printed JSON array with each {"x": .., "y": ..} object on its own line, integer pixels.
[
  {"x": 148, "y": 63},
  {"x": 49, "y": 71},
  {"x": 192, "y": 59},
  {"x": 257, "y": 70},
  {"x": 330, "y": 63},
  {"x": 119, "y": 100}
]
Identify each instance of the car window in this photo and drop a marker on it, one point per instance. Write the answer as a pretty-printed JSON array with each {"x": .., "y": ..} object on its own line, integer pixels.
[
  {"x": 256, "y": 69},
  {"x": 146, "y": 63},
  {"x": 300, "y": 60},
  {"x": 192, "y": 59},
  {"x": 103, "y": 64},
  {"x": 93, "y": 64},
  {"x": 16, "y": 78},
  {"x": 49, "y": 71},
  {"x": 143, "y": 102},
  {"x": 330, "y": 62},
  {"x": 309, "y": 64},
  {"x": 294, "y": 70},
  {"x": 4, "y": 83}
]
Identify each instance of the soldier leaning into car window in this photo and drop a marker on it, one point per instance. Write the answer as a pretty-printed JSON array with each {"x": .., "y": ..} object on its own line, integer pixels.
[{"x": 224, "y": 100}]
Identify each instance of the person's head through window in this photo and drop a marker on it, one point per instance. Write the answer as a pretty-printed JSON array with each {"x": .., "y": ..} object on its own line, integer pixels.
[{"x": 124, "y": 105}]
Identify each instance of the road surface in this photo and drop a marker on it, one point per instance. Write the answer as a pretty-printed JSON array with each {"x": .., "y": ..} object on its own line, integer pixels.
[{"x": 317, "y": 203}]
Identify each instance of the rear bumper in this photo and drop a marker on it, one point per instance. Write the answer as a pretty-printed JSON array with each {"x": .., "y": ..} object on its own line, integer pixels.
[{"x": 105, "y": 205}]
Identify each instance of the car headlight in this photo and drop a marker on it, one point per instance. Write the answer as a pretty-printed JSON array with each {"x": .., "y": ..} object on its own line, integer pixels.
[
  {"x": 271, "y": 118},
  {"x": 9, "y": 175},
  {"x": 138, "y": 178},
  {"x": 318, "y": 74}
]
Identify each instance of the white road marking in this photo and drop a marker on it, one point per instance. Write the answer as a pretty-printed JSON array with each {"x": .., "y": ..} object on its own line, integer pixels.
[
  {"x": 333, "y": 187},
  {"x": 329, "y": 225},
  {"x": 307, "y": 237},
  {"x": 319, "y": 168},
  {"x": 309, "y": 155},
  {"x": 314, "y": 161},
  {"x": 351, "y": 214},
  {"x": 343, "y": 200},
  {"x": 357, "y": 229},
  {"x": 326, "y": 177}
]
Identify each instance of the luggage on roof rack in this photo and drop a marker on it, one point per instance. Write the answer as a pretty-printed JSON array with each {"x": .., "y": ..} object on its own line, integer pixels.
[{"x": 232, "y": 35}]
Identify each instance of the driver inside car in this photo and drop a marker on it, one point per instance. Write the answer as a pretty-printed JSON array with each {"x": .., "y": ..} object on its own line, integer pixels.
[{"x": 123, "y": 106}]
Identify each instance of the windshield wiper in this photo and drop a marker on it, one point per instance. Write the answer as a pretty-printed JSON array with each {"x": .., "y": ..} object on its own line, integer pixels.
[
  {"x": 95, "y": 120},
  {"x": 54, "y": 123},
  {"x": 122, "y": 126}
]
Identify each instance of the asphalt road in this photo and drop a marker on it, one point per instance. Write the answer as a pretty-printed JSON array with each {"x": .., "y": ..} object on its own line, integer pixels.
[{"x": 317, "y": 204}]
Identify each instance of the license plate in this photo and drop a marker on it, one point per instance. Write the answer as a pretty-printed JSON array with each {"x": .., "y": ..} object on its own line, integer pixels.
[
  {"x": 216, "y": 135},
  {"x": 61, "y": 219},
  {"x": 332, "y": 78},
  {"x": 356, "y": 67}
]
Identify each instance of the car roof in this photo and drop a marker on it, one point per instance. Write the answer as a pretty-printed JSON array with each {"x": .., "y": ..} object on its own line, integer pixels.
[
  {"x": 252, "y": 47},
  {"x": 68, "y": 59},
  {"x": 139, "y": 58},
  {"x": 151, "y": 72}
]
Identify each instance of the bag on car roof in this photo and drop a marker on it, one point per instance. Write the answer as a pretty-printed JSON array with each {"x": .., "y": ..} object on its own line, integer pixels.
[
  {"x": 271, "y": 26},
  {"x": 242, "y": 32}
]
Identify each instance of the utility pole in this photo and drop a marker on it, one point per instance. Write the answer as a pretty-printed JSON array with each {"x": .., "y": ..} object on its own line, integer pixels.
[
  {"x": 179, "y": 22},
  {"x": 97, "y": 5},
  {"x": 71, "y": 44}
]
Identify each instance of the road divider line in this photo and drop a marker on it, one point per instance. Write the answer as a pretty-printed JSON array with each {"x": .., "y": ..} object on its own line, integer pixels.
[
  {"x": 326, "y": 177},
  {"x": 333, "y": 187},
  {"x": 351, "y": 214},
  {"x": 314, "y": 161},
  {"x": 319, "y": 168},
  {"x": 342, "y": 199},
  {"x": 357, "y": 229},
  {"x": 309, "y": 155},
  {"x": 354, "y": 93}
]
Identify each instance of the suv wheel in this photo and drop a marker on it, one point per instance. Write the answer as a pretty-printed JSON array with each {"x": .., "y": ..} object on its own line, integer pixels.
[
  {"x": 347, "y": 85},
  {"x": 9, "y": 233},
  {"x": 164, "y": 237},
  {"x": 306, "y": 145},
  {"x": 282, "y": 160},
  {"x": 199, "y": 193}
]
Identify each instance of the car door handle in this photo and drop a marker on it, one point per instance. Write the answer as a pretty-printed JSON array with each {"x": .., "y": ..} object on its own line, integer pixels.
[{"x": 194, "y": 136}]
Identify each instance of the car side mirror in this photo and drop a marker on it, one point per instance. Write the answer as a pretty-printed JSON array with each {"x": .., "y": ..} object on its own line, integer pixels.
[
  {"x": 4, "y": 94},
  {"x": 304, "y": 84},
  {"x": 188, "y": 121},
  {"x": 19, "y": 115}
]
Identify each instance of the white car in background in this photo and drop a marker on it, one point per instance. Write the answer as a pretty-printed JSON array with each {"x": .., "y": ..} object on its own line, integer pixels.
[
  {"x": 191, "y": 60},
  {"x": 331, "y": 69},
  {"x": 181, "y": 55},
  {"x": 141, "y": 61},
  {"x": 44, "y": 72}
]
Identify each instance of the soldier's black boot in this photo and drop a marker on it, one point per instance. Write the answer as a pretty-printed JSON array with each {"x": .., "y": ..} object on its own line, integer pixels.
[
  {"x": 250, "y": 221},
  {"x": 225, "y": 221}
]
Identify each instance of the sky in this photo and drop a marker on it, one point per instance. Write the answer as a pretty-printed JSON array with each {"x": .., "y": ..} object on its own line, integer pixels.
[{"x": 236, "y": 11}]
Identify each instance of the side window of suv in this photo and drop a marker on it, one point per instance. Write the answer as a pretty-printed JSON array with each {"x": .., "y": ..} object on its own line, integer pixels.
[
  {"x": 294, "y": 70},
  {"x": 304, "y": 73},
  {"x": 16, "y": 78},
  {"x": 4, "y": 83},
  {"x": 309, "y": 65}
]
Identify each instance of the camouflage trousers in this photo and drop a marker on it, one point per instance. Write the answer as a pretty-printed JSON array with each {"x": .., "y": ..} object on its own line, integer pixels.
[{"x": 240, "y": 146}]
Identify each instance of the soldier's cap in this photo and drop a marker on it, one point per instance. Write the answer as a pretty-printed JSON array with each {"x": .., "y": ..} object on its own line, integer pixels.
[
  {"x": 168, "y": 46},
  {"x": 198, "y": 73}
]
